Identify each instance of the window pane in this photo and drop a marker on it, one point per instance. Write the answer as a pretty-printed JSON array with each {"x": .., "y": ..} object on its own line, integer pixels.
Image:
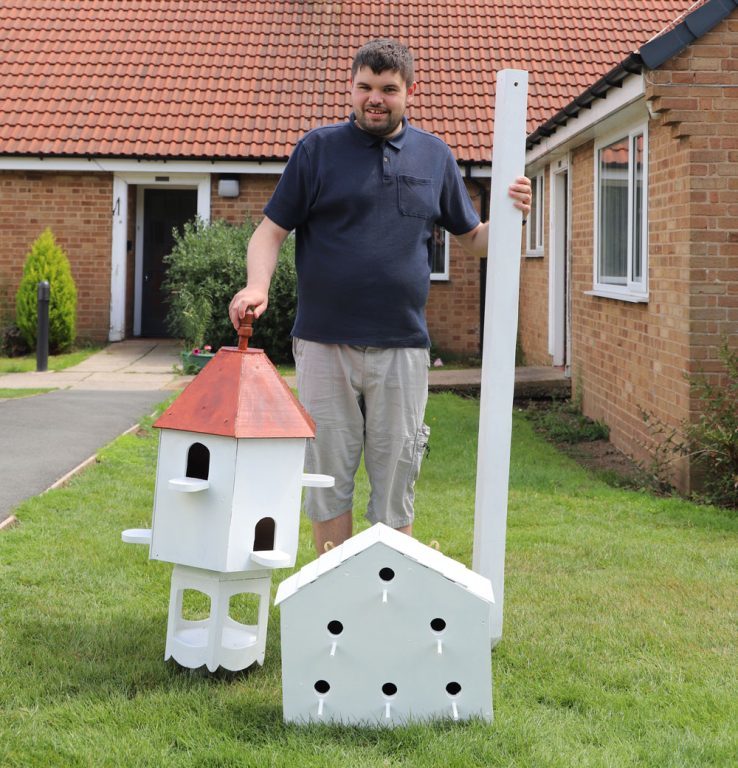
[
  {"x": 637, "y": 245},
  {"x": 613, "y": 214},
  {"x": 533, "y": 215},
  {"x": 438, "y": 251}
]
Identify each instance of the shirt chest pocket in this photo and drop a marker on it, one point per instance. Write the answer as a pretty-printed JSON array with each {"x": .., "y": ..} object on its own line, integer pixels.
[{"x": 415, "y": 197}]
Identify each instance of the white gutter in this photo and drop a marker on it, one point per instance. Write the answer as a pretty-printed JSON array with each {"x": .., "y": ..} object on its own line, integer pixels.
[{"x": 579, "y": 128}]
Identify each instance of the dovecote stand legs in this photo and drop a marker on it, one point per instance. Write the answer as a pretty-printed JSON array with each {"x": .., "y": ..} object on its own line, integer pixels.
[{"x": 219, "y": 640}]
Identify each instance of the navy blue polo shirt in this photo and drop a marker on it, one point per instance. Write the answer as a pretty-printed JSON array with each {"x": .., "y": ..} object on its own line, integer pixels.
[{"x": 363, "y": 210}]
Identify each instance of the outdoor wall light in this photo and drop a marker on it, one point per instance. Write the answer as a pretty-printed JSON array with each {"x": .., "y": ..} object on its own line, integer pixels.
[{"x": 228, "y": 188}]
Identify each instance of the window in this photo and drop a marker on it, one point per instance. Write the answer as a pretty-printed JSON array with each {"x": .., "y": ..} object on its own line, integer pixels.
[
  {"x": 438, "y": 254},
  {"x": 620, "y": 216},
  {"x": 534, "y": 225}
]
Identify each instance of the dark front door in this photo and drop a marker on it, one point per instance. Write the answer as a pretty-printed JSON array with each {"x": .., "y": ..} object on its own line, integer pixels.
[{"x": 164, "y": 209}]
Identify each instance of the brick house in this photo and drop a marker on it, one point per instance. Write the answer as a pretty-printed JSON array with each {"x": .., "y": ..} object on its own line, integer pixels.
[
  {"x": 630, "y": 274},
  {"x": 136, "y": 112}
]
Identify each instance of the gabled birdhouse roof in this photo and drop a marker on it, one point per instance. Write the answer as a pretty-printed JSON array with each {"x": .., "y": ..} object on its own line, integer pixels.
[
  {"x": 238, "y": 394},
  {"x": 381, "y": 534}
]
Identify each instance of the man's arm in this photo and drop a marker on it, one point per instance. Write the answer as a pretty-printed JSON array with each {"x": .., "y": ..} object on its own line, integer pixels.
[
  {"x": 475, "y": 242},
  {"x": 261, "y": 261}
]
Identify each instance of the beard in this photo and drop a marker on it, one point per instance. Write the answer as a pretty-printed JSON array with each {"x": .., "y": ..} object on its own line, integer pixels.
[{"x": 378, "y": 127}]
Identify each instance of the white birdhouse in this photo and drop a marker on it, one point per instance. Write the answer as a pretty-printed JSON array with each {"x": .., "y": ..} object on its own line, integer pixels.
[
  {"x": 230, "y": 468},
  {"x": 382, "y": 630}
]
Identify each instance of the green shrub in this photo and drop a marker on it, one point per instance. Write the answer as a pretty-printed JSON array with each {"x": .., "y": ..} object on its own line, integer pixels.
[
  {"x": 205, "y": 270},
  {"x": 563, "y": 422},
  {"x": 709, "y": 441},
  {"x": 47, "y": 261},
  {"x": 712, "y": 439}
]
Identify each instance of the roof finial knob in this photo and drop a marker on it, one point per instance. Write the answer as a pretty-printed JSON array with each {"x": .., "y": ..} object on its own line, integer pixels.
[{"x": 245, "y": 330}]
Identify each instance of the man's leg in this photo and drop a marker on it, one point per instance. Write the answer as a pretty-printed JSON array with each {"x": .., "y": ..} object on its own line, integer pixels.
[
  {"x": 328, "y": 387},
  {"x": 334, "y": 531},
  {"x": 395, "y": 396}
]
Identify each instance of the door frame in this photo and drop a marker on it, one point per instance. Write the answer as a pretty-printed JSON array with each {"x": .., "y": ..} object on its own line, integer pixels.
[
  {"x": 559, "y": 273},
  {"x": 174, "y": 181}
]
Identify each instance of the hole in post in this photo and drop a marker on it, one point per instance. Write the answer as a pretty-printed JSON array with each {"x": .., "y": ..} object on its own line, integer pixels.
[
  {"x": 335, "y": 627},
  {"x": 322, "y": 687},
  {"x": 243, "y": 608},
  {"x": 438, "y": 625},
  {"x": 453, "y": 689},
  {"x": 386, "y": 574},
  {"x": 389, "y": 689},
  {"x": 195, "y": 605}
]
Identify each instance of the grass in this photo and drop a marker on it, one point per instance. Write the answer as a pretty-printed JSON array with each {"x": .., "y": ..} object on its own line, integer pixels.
[
  {"x": 6, "y": 394},
  {"x": 27, "y": 363},
  {"x": 619, "y": 644}
]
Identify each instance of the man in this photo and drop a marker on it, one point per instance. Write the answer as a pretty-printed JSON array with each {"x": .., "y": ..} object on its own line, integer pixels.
[{"x": 363, "y": 197}]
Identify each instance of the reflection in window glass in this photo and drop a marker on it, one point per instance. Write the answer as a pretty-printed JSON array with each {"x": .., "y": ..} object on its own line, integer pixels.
[
  {"x": 613, "y": 202},
  {"x": 637, "y": 245}
]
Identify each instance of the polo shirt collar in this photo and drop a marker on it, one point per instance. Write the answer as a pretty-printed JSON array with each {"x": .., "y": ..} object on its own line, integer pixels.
[{"x": 370, "y": 140}]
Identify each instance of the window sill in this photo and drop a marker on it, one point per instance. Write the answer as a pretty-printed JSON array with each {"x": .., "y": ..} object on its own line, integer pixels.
[
  {"x": 534, "y": 254},
  {"x": 440, "y": 278},
  {"x": 631, "y": 298}
]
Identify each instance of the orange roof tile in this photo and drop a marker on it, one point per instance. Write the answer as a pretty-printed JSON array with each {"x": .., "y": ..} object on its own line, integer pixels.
[
  {"x": 221, "y": 79},
  {"x": 238, "y": 394}
]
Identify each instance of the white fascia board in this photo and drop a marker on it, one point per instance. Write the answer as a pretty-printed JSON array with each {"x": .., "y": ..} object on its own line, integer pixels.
[
  {"x": 582, "y": 127},
  {"x": 147, "y": 168},
  {"x": 479, "y": 171}
]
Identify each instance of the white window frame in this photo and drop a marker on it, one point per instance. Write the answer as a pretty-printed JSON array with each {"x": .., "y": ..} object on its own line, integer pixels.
[
  {"x": 443, "y": 275},
  {"x": 631, "y": 289},
  {"x": 534, "y": 234}
]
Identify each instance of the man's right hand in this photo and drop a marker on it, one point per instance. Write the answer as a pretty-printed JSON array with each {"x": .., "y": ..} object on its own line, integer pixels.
[{"x": 254, "y": 298}]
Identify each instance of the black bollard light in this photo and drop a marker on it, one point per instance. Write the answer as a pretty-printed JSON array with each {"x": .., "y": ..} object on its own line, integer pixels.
[{"x": 42, "y": 330}]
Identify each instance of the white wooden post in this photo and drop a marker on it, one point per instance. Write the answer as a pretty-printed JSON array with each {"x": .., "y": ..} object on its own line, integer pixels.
[{"x": 500, "y": 333}]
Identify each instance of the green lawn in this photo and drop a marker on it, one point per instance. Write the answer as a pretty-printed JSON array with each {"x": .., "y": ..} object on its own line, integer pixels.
[
  {"x": 55, "y": 362},
  {"x": 619, "y": 644},
  {"x": 6, "y": 394}
]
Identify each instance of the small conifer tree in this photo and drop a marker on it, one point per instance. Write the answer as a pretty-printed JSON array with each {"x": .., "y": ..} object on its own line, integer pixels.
[{"x": 47, "y": 261}]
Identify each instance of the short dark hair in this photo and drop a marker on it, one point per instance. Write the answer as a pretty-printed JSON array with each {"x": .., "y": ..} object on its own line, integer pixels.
[{"x": 383, "y": 54}]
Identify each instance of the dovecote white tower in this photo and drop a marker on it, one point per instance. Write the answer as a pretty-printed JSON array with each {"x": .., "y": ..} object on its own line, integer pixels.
[
  {"x": 227, "y": 500},
  {"x": 382, "y": 630},
  {"x": 230, "y": 469}
]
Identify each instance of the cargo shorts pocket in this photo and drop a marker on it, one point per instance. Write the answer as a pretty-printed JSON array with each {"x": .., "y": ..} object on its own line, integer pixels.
[{"x": 421, "y": 447}]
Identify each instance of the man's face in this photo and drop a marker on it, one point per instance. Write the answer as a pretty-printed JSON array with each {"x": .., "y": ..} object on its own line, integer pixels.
[{"x": 379, "y": 101}]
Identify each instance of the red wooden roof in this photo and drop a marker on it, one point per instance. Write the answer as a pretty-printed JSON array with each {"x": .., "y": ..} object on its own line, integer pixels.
[
  {"x": 238, "y": 394},
  {"x": 227, "y": 79}
]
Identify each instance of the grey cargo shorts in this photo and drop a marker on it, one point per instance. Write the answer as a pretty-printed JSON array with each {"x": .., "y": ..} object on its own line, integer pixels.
[{"x": 364, "y": 399}]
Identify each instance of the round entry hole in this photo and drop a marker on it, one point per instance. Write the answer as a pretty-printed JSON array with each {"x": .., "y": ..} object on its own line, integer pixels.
[
  {"x": 453, "y": 689},
  {"x": 322, "y": 686},
  {"x": 335, "y": 627},
  {"x": 386, "y": 574},
  {"x": 438, "y": 625},
  {"x": 389, "y": 689}
]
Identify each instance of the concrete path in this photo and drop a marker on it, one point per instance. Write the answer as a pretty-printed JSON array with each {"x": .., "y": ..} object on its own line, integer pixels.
[{"x": 46, "y": 438}]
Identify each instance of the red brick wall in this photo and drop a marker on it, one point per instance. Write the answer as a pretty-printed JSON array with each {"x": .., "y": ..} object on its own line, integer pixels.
[
  {"x": 627, "y": 357},
  {"x": 77, "y": 208},
  {"x": 453, "y": 305},
  {"x": 630, "y": 357},
  {"x": 254, "y": 193}
]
